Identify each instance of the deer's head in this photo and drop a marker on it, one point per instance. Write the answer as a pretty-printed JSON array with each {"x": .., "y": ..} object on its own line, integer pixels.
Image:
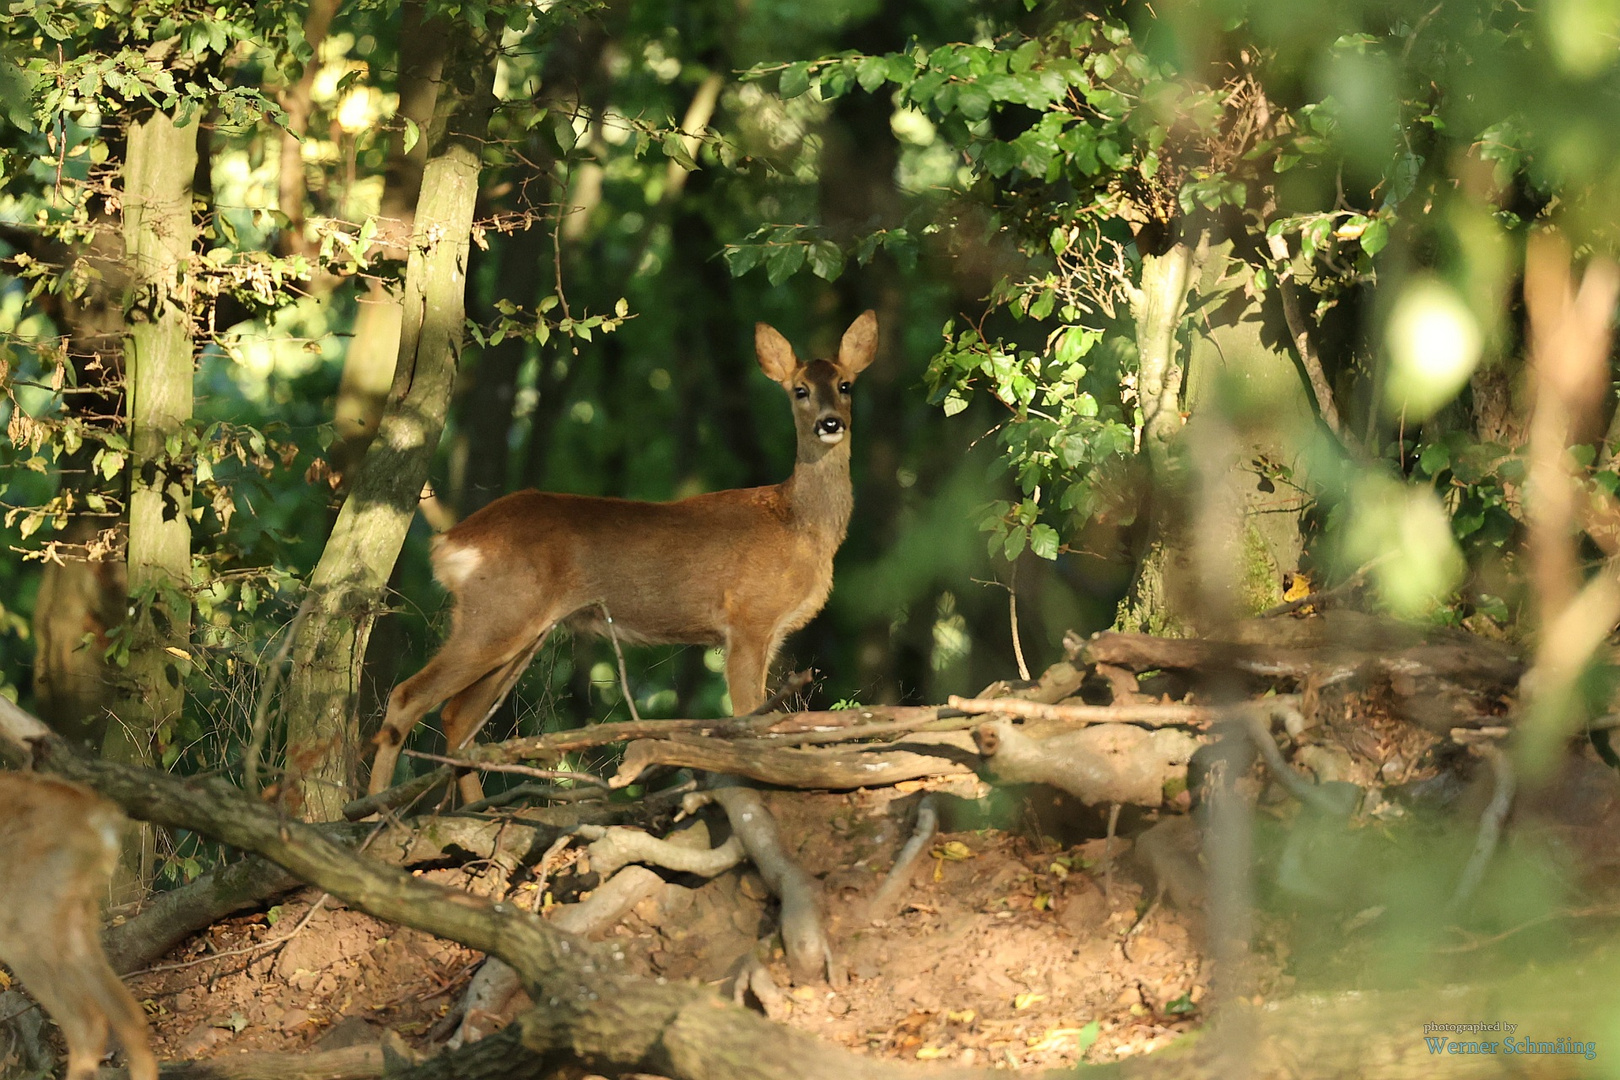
[{"x": 820, "y": 389}]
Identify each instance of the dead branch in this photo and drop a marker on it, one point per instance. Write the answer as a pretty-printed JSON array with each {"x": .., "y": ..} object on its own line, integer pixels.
[
  {"x": 407, "y": 794},
  {"x": 935, "y": 754},
  {"x": 1490, "y": 827},
  {"x": 1057, "y": 682},
  {"x": 349, "y": 1063},
  {"x": 168, "y": 918},
  {"x": 1149, "y": 715},
  {"x": 515, "y": 770},
  {"x": 792, "y": 685},
  {"x": 1299, "y": 333},
  {"x": 1438, "y": 679},
  {"x": 495, "y": 983}
]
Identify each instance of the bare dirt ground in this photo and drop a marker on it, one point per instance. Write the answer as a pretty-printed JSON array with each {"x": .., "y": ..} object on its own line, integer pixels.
[{"x": 1005, "y": 951}]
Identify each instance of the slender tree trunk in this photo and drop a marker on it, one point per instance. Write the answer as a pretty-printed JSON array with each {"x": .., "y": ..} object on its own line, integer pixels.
[
  {"x": 298, "y": 102},
  {"x": 158, "y": 236},
  {"x": 369, "y": 364},
  {"x": 322, "y": 727}
]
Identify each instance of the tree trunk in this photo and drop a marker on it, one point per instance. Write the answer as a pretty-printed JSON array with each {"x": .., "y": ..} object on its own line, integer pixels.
[
  {"x": 158, "y": 236},
  {"x": 1157, "y": 307},
  {"x": 1264, "y": 398},
  {"x": 347, "y": 584},
  {"x": 374, "y": 349}
]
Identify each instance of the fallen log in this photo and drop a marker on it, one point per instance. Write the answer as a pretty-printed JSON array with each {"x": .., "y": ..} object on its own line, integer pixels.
[{"x": 919, "y": 756}]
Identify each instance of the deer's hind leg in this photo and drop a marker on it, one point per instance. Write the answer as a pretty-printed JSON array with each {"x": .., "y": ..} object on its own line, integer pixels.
[
  {"x": 478, "y": 647},
  {"x": 465, "y": 714}
]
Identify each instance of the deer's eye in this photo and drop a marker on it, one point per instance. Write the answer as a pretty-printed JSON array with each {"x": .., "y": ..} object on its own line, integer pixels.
[
  {"x": 844, "y": 387},
  {"x": 801, "y": 392}
]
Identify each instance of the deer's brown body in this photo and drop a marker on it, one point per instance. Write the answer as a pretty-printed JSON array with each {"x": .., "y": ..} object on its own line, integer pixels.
[
  {"x": 60, "y": 845},
  {"x": 741, "y": 568}
]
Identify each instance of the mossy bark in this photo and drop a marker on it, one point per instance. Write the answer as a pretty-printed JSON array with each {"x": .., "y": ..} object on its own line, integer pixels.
[
  {"x": 158, "y": 235},
  {"x": 323, "y": 740}
]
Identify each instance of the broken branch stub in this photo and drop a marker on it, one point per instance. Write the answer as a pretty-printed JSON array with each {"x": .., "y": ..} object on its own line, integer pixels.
[{"x": 1107, "y": 763}]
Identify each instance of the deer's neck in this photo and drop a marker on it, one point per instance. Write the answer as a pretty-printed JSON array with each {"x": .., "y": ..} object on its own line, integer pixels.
[{"x": 818, "y": 494}]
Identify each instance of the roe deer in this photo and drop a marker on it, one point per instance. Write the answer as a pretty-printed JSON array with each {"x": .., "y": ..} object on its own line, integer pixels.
[
  {"x": 741, "y": 568},
  {"x": 61, "y": 843}
]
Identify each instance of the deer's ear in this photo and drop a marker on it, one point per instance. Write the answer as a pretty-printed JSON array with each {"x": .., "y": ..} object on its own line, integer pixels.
[
  {"x": 859, "y": 346},
  {"x": 776, "y": 357}
]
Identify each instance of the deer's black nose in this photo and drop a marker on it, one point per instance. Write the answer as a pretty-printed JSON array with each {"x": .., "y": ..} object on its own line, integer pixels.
[{"x": 829, "y": 425}]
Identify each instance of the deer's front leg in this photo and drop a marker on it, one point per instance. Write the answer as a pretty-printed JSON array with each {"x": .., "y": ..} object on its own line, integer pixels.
[{"x": 748, "y": 659}]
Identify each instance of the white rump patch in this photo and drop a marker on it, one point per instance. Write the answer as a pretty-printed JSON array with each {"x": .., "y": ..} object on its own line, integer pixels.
[{"x": 453, "y": 566}]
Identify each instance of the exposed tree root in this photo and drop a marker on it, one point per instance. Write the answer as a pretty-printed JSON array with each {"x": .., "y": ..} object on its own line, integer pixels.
[
  {"x": 809, "y": 955},
  {"x": 886, "y": 901},
  {"x": 612, "y": 848}
]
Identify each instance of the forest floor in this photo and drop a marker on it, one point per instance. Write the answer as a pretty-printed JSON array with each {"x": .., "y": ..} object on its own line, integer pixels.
[
  {"x": 1004, "y": 952},
  {"x": 1026, "y": 939}
]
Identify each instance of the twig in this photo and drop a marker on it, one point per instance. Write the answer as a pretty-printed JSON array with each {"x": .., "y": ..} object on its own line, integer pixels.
[
  {"x": 1490, "y": 828},
  {"x": 542, "y": 869},
  {"x": 1012, "y": 617},
  {"x": 624, "y": 676},
  {"x": 518, "y": 770},
  {"x": 1300, "y": 335},
  {"x": 547, "y": 792},
  {"x": 399, "y": 795},
  {"x": 511, "y": 680},
  {"x": 1595, "y": 911},
  {"x": 791, "y": 685},
  {"x": 1108, "y": 849},
  {"x": 261, "y": 708},
  {"x": 867, "y": 731},
  {"x": 246, "y": 950}
]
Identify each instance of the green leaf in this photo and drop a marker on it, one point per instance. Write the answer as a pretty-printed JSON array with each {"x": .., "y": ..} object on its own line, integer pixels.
[
  {"x": 1376, "y": 236},
  {"x": 1043, "y": 541},
  {"x": 741, "y": 259},
  {"x": 783, "y": 262},
  {"x": 973, "y": 101},
  {"x": 1041, "y": 306},
  {"x": 826, "y": 260},
  {"x": 674, "y": 147},
  {"x": 836, "y": 80},
  {"x": 1013, "y": 545},
  {"x": 795, "y": 80},
  {"x": 872, "y": 73}
]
